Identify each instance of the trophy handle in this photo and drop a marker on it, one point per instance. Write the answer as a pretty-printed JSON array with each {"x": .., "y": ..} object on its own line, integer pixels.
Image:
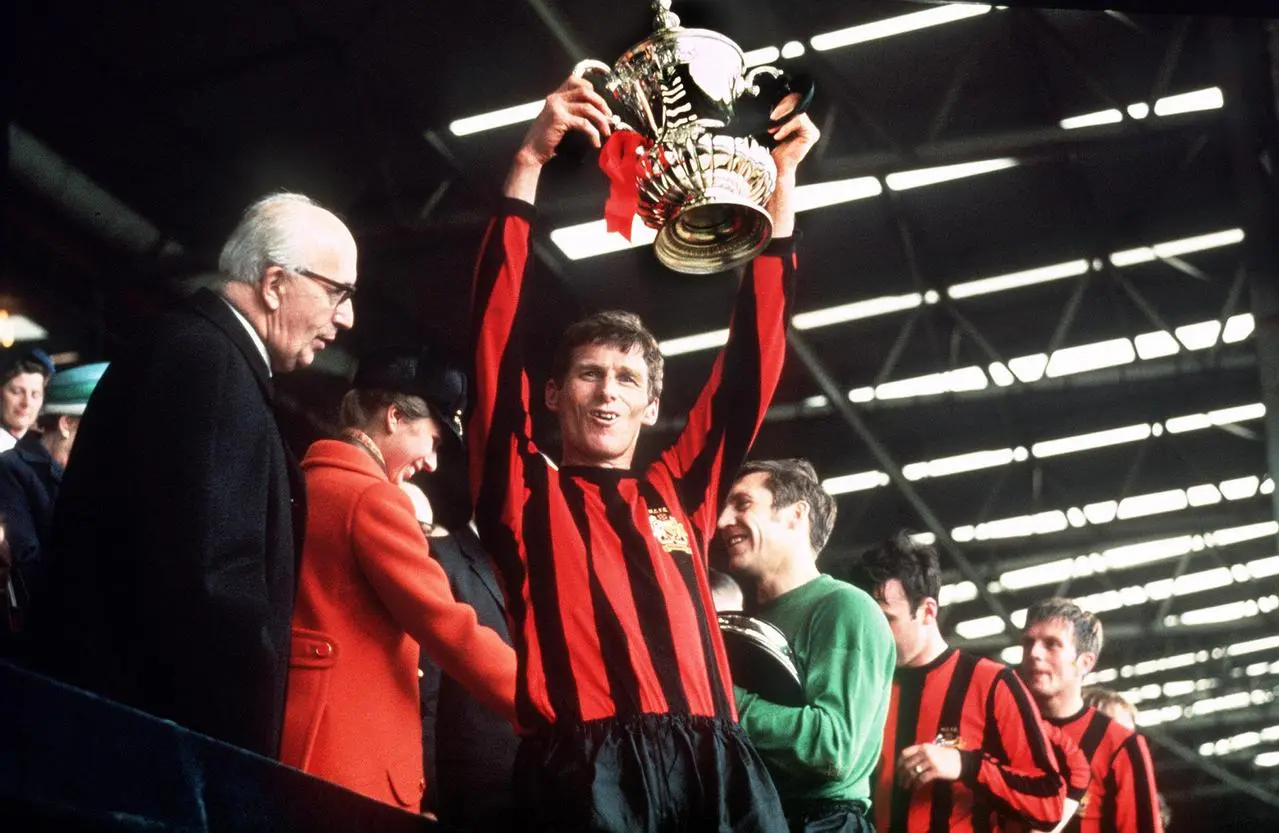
[
  {"x": 588, "y": 66},
  {"x": 785, "y": 85}
]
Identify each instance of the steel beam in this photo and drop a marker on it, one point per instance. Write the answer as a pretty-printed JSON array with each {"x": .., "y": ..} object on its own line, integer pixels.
[
  {"x": 1245, "y": 50},
  {"x": 1046, "y": 140},
  {"x": 808, "y": 357}
]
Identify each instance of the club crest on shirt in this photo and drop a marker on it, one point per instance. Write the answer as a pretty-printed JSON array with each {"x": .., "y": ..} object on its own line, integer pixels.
[
  {"x": 948, "y": 736},
  {"x": 668, "y": 531}
]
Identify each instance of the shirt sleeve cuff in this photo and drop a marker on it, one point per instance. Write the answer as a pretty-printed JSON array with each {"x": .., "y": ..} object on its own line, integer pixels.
[
  {"x": 969, "y": 766},
  {"x": 782, "y": 246},
  {"x": 512, "y": 207}
]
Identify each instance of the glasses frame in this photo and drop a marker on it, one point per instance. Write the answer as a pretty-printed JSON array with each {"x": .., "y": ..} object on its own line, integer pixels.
[{"x": 345, "y": 291}]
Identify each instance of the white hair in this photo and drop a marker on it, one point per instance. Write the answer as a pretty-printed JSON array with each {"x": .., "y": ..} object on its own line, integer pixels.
[{"x": 279, "y": 229}]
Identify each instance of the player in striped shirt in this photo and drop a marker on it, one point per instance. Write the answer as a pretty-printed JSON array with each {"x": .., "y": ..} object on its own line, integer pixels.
[
  {"x": 623, "y": 694},
  {"x": 963, "y": 749},
  {"x": 1060, "y": 645}
]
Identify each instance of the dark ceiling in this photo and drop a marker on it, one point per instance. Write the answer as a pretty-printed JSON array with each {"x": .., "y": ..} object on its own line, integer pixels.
[{"x": 186, "y": 113}]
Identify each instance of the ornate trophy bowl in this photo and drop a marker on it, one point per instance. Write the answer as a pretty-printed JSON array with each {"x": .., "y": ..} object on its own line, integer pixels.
[
  {"x": 705, "y": 197},
  {"x": 760, "y": 658},
  {"x": 703, "y": 176}
]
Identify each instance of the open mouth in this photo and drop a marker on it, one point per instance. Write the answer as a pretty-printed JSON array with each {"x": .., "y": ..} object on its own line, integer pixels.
[
  {"x": 734, "y": 539},
  {"x": 603, "y": 416}
]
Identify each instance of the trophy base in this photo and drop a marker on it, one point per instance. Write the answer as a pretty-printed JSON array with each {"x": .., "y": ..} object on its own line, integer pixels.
[{"x": 713, "y": 233}]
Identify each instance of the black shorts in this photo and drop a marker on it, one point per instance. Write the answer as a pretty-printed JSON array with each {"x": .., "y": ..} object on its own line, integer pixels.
[{"x": 643, "y": 775}]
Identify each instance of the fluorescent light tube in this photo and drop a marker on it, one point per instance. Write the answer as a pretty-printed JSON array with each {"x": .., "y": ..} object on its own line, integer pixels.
[
  {"x": 1248, "y": 532},
  {"x": 1156, "y": 345},
  {"x": 1156, "y": 503},
  {"x": 1085, "y": 442},
  {"x": 964, "y": 591},
  {"x": 763, "y": 55},
  {"x": 1176, "y": 248},
  {"x": 898, "y": 25},
  {"x": 906, "y": 180},
  {"x": 856, "y": 311},
  {"x": 792, "y": 49},
  {"x": 1135, "y": 555},
  {"x": 1241, "y": 488},
  {"x": 822, "y": 194},
  {"x": 1111, "y": 116},
  {"x": 978, "y": 628},
  {"x": 594, "y": 238},
  {"x": 1071, "y": 360},
  {"x": 1016, "y": 280},
  {"x": 859, "y": 482},
  {"x": 498, "y": 118},
  {"x": 1207, "y": 99},
  {"x": 1238, "y": 328},
  {"x": 694, "y": 343}
]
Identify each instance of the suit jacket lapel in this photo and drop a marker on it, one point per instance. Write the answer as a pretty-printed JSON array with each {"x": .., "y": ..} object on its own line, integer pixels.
[
  {"x": 209, "y": 304},
  {"x": 476, "y": 559}
]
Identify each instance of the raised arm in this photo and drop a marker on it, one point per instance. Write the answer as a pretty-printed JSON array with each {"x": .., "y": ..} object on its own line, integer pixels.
[
  {"x": 726, "y": 417},
  {"x": 501, "y": 386}
]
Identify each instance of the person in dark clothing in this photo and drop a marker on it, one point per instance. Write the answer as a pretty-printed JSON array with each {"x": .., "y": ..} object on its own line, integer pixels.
[
  {"x": 170, "y": 580},
  {"x": 30, "y": 477},
  {"x": 469, "y": 748}
]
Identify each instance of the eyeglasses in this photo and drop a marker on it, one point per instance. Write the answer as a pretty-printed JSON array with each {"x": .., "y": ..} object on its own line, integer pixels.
[{"x": 338, "y": 292}]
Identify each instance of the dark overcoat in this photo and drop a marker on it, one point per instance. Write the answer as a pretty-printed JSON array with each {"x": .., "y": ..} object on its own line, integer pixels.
[
  {"x": 29, "y": 482},
  {"x": 469, "y": 748},
  {"x": 171, "y": 573}
]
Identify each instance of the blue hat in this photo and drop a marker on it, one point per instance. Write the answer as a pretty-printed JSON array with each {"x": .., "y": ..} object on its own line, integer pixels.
[
  {"x": 417, "y": 371},
  {"x": 35, "y": 354},
  {"x": 68, "y": 392}
]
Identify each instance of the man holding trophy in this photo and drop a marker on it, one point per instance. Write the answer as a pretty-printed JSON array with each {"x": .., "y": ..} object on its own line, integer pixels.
[{"x": 624, "y": 700}]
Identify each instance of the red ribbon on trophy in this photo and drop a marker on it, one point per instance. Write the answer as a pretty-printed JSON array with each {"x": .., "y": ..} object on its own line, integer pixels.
[{"x": 620, "y": 160}]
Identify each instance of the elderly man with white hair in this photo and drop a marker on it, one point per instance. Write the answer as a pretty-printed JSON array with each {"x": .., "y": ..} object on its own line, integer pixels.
[{"x": 170, "y": 581}]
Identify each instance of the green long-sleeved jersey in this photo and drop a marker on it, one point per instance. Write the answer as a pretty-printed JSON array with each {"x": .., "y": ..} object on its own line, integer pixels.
[{"x": 827, "y": 749}]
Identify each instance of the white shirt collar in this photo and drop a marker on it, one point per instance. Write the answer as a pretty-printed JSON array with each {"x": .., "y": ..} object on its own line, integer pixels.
[{"x": 253, "y": 334}]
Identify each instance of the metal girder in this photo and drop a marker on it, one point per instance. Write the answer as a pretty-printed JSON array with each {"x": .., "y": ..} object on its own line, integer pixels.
[
  {"x": 808, "y": 357},
  {"x": 1245, "y": 51},
  {"x": 1170, "y": 744},
  {"x": 1010, "y": 143},
  {"x": 551, "y": 17},
  {"x": 1127, "y": 632},
  {"x": 1146, "y": 371}
]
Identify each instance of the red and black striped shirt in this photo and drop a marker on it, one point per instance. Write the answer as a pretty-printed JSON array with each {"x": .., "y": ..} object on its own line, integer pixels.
[
  {"x": 604, "y": 569},
  {"x": 1121, "y": 798},
  {"x": 1071, "y": 763},
  {"x": 1009, "y": 776}
]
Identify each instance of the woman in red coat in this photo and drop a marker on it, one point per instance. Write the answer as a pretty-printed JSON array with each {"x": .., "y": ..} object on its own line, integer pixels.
[{"x": 369, "y": 591}]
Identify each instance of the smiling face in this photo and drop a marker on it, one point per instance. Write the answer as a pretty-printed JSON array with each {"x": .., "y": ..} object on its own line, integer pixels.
[
  {"x": 410, "y": 444},
  {"x": 759, "y": 538},
  {"x": 602, "y": 402},
  {"x": 20, "y": 399},
  {"x": 1051, "y": 664}
]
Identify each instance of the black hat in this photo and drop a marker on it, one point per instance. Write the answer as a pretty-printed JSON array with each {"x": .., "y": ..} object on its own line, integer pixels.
[{"x": 417, "y": 371}]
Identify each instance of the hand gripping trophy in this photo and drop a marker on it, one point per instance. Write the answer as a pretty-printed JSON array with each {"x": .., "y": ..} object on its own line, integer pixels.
[{"x": 692, "y": 147}]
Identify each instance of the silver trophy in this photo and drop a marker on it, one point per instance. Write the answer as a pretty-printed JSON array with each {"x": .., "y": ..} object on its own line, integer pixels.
[{"x": 704, "y": 175}]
